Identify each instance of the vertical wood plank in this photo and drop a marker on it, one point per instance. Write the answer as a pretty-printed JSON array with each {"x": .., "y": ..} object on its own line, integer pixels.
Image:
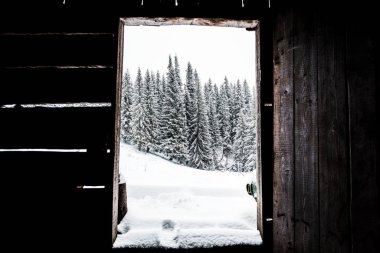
[
  {"x": 333, "y": 137},
  {"x": 283, "y": 120},
  {"x": 306, "y": 132},
  {"x": 115, "y": 183},
  {"x": 362, "y": 86},
  {"x": 259, "y": 178}
]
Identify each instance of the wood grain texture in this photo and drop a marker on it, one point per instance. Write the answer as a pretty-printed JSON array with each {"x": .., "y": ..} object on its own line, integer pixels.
[
  {"x": 361, "y": 80},
  {"x": 259, "y": 171},
  {"x": 306, "y": 132},
  {"x": 52, "y": 85},
  {"x": 117, "y": 130},
  {"x": 334, "y": 176},
  {"x": 56, "y": 49},
  {"x": 87, "y": 128},
  {"x": 283, "y": 175}
]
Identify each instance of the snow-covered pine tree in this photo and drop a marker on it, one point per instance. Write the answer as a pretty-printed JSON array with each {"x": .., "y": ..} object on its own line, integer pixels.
[
  {"x": 174, "y": 115},
  {"x": 217, "y": 98},
  {"x": 126, "y": 108},
  {"x": 225, "y": 124},
  {"x": 137, "y": 112},
  {"x": 236, "y": 107},
  {"x": 244, "y": 142},
  {"x": 210, "y": 99},
  {"x": 182, "y": 145},
  {"x": 228, "y": 87},
  {"x": 159, "y": 89},
  {"x": 159, "y": 102},
  {"x": 163, "y": 130},
  {"x": 200, "y": 148},
  {"x": 249, "y": 159},
  {"x": 168, "y": 111},
  {"x": 191, "y": 104},
  {"x": 156, "y": 110},
  {"x": 147, "y": 114}
]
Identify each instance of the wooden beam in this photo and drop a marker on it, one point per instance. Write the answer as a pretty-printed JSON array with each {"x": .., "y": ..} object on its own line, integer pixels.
[
  {"x": 87, "y": 128},
  {"x": 56, "y": 49},
  {"x": 55, "y": 85}
]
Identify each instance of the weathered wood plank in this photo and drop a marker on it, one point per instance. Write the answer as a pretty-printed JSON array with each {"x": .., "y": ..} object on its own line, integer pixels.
[
  {"x": 283, "y": 175},
  {"x": 23, "y": 86},
  {"x": 116, "y": 132},
  {"x": 259, "y": 167},
  {"x": 306, "y": 200},
  {"x": 362, "y": 86},
  {"x": 58, "y": 169},
  {"x": 334, "y": 191},
  {"x": 56, "y": 49},
  {"x": 265, "y": 130},
  {"x": 48, "y": 20},
  {"x": 122, "y": 206},
  {"x": 87, "y": 128}
]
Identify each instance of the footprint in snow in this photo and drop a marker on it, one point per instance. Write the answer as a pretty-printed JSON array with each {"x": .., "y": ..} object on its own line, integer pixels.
[
  {"x": 169, "y": 236},
  {"x": 168, "y": 225}
]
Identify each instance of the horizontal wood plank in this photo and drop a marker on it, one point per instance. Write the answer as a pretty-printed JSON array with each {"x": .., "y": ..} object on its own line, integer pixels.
[
  {"x": 59, "y": 169},
  {"x": 56, "y": 128},
  {"x": 52, "y": 85},
  {"x": 57, "y": 50}
]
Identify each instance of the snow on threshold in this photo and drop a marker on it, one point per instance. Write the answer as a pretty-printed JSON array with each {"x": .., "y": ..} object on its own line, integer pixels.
[{"x": 174, "y": 206}]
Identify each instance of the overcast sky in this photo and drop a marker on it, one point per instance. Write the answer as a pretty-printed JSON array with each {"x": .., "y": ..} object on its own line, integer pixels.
[{"x": 214, "y": 51}]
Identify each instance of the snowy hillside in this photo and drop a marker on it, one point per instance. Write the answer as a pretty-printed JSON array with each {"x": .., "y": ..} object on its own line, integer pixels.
[{"x": 174, "y": 206}]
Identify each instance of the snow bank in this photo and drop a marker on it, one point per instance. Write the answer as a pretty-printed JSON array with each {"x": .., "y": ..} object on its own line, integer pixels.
[{"x": 175, "y": 206}]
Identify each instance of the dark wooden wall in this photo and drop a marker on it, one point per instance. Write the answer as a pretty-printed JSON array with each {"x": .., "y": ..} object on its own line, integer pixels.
[
  {"x": 325, "y": 113},
  {"x": 67, "y": 52},
  {"x": 326, "y": 171},
  {"x": 51, "y": 54}
]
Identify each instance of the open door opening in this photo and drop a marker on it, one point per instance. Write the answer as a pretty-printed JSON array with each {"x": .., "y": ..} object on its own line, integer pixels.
[{"x": 189, "y": 141}]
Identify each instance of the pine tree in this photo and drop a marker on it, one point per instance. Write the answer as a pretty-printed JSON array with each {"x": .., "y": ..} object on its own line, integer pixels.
[
  {"x": 210, "y": 99},
  {"x": 174, "y": 115},
  {"x": 163, "y": 129},
  {"x": 182, "y": 145},
  {"x": 137, "y": 112},
  {"x": 217, "y": 100},
  {"x": 126, "y": 108},
  {"x": 228, "y": 88},
  {"x": 156, "y": 110},
  {"x": 147, "y": 113},
  {"x": 191, "y": 103},
  {"x": 200, "y": 149},
  {"x": 249, "y": 160},
  {"x": 225, "y": 123},
  {"x": 236, "y": 107},
  {"x": 244, "y": 142}
]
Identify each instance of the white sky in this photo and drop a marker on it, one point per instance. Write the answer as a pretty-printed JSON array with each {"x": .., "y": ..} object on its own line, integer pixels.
[{"x": 214, "y": 51}]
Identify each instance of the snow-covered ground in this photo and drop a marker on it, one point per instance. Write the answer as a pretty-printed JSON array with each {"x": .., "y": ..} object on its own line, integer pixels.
[{"x": 175, "y": 206}]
